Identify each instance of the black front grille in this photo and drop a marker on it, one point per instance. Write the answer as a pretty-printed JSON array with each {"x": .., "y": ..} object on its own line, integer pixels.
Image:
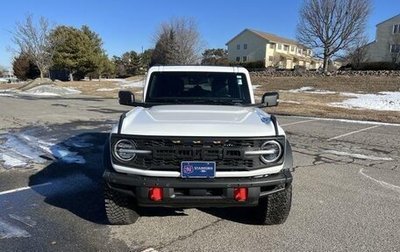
[{"x": 168, "y": 153}]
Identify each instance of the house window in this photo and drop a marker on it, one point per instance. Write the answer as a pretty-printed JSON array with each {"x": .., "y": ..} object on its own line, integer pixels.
[
  {"x": 286, "y": 47},
  {"x": 396, "y": 28},
  {"x": 244, "y": 58},
  {"x": 238, "y": 46},
  {"x": 271, "y": 46},
  {"x": 279, "y": 47},
  {"x": 237, "y": 59},
  {"x": 395, "y": 48},
  {"x": 244, "y": 46},
  {"x": 292, "y": 48}
]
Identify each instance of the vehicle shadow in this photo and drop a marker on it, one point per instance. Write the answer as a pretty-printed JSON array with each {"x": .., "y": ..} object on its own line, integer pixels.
[
  {"x": 75, "y": 182},
  {"x": 242, "y": 215},
  {"x": 75, "y": 176}
]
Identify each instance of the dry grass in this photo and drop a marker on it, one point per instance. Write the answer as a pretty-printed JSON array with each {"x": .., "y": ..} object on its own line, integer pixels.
[
  {"x": 365, "y": 84},
  {"x": 318, "y": 104},
  {"x": 309, "y": 104},
  {"x": 91, "y": 88}
]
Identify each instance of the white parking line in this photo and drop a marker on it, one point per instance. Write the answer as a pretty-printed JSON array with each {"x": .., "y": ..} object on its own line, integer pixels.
[
  {"x": 382, "y": 183},
  {"x": 353, "y": 132},
  {"x": 293, "y": 123},
  {"x": 24, "y": 188}
]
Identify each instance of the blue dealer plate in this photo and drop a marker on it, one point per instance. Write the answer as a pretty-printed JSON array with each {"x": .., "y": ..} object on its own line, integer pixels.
[{"x": 197, "y": 169}]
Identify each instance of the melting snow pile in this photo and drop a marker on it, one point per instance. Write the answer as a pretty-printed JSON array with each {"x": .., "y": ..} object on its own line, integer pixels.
[
  {"x": 389, "y": 101},
  {"x": 51, "y": 90},
  {"x": 23, "y": 150}
]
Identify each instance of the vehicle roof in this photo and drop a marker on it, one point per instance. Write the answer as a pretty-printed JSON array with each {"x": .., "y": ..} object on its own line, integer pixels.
[{"x": 193, "y": 68}]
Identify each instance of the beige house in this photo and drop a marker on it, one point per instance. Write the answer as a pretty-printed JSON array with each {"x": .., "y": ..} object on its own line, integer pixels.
[
  {"x": 275, "y": 51},
  {"x": 387, "y": 41}
]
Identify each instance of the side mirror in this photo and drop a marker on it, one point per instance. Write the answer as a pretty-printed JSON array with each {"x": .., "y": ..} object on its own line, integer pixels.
[
  {"x": 270, "y": 99},
  {"x": 126, "y": 98}
]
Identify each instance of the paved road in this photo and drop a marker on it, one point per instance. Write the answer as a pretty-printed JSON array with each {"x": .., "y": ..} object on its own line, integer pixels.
[{"x": 346, "y": 190}]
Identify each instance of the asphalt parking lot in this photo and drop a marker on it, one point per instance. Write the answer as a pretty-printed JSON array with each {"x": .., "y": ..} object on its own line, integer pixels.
[{"x": 346, "y": 190}]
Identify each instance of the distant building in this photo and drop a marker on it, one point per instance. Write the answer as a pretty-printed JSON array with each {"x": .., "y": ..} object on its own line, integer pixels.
[
  {"x": 387, "y": 41},
  {"x": 8, "y": 77},
  {"x": 273, "y": 50}
]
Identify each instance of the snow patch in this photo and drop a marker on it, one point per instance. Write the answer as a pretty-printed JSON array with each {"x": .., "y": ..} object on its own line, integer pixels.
[
  {"x": 106, "y": 89},
  {"x": 389, "y": 101},
  {"x": 132, "y": 84},
  {"x": 310, "y": 90},
  {"x": 9, "y": 231},
  {"x": 292, "y": 102},
  {"x": 51, "y": 90},
  {"x": 10, "y": 161},
  {"x": 23, "y": 149}
]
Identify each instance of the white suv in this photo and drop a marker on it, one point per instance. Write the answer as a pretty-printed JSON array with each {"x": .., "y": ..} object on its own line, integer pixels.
[{"x": 198, "y": 139}]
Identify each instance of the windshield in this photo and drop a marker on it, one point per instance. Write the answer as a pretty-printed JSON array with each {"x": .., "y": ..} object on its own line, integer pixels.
[{"x": 198, "y": 87}]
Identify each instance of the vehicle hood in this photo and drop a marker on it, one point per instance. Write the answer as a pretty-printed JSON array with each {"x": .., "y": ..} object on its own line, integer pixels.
[{"x": 198, "y": 120}]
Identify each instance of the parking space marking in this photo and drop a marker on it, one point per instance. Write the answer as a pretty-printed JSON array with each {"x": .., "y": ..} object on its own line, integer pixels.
[
  {"x": 382, "y": 183},
  {"x": 353, "y": 132},
  {"x": 24, "y": 188},
  {"x": 293, "y": 123},
  {"x": 359, "y": 156}
]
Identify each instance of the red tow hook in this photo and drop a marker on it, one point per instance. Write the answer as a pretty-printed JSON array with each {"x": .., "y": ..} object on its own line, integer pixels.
[
  {"x": 156, "y": 193},
  {"x": 240, "y": 193}
]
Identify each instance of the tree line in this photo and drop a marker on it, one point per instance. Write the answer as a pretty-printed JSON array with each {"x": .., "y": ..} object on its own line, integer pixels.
[{"x": 42, "y": 49}]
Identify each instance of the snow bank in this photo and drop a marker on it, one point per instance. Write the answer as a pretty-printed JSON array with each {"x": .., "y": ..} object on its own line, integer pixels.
[
  {"x": 50, "y": 90},
  {"x": 388, "y": 101}
]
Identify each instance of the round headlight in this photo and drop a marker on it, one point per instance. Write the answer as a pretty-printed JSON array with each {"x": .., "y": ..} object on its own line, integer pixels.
[
  {"x": 273, "y": 151},
  {"x": 124, "y": 150}
]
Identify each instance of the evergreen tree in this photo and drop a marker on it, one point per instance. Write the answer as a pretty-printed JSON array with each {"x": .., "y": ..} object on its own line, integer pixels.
[{"x": 24, "y": 68}]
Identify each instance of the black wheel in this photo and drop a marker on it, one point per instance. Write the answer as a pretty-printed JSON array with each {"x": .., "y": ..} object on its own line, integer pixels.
[
  {"x": 120, "y": 208},
  {"x": 274, "y": 209}
]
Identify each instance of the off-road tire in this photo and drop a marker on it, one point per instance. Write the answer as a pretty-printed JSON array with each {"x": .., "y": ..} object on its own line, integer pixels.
[
  {"x": 120, "y": 208},
  {"x": 274, "y": 209}
]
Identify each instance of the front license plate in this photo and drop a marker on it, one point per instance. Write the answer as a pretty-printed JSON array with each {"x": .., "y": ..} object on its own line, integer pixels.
[{"x": 197, "y": 169}]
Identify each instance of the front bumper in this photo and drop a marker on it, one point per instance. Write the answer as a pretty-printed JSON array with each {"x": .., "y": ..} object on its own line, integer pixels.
[{"x": 179, "y": 192}]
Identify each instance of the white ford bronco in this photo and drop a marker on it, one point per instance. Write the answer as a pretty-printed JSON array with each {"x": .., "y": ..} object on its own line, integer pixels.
[{"x": 198, "y": 139}]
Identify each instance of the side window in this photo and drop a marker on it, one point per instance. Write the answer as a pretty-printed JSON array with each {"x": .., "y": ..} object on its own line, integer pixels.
[
  {"x": 395, "y": 48},
  {"x": 279, "y": 47},
  {"x": 396, "y": 28},
  {"x": 244, "y": 58},
  {"x": 237, "y": 59},
  {"x": 271, "y": 46},
  {"x": 238, "y": 46},
  {"x": 244, "y": 46}
]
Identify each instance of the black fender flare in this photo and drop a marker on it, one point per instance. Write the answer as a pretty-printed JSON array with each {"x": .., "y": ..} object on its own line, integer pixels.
[{"x": 288, "y": 158}]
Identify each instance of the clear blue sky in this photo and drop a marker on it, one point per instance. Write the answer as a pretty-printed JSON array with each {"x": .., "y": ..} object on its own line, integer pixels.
[{"x": 128, "y": 25}]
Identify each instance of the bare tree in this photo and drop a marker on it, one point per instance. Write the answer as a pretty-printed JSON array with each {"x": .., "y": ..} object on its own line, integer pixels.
[
  {"x": 357, "y": 54},
  {"x": 331, "y": 26},
  {"x": 178, "y": 42},
  {"x": 34, "y": 40}
]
